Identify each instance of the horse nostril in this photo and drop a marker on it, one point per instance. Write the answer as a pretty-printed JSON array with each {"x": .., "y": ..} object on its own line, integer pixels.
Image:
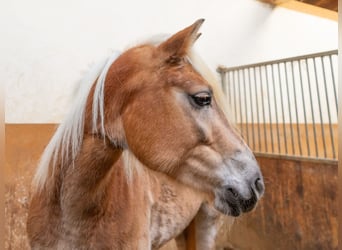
[{"x": 259, "y": 185}]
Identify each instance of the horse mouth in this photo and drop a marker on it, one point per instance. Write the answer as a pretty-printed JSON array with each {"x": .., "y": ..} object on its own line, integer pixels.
[{"x": 233, "y": 204}]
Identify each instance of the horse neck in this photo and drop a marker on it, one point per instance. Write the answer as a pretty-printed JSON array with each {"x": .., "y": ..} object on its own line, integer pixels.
[{"x": 88, "y": 175}]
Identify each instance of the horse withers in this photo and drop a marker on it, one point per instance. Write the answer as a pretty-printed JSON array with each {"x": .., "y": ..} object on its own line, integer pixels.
[{"x": 147, "y": 147}]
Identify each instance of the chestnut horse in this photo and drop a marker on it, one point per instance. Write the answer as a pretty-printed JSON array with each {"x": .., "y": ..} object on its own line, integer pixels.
[{"x": 146, "y": 148}]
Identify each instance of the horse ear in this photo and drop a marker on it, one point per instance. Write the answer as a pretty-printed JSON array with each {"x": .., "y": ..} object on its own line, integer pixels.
[{"x": 178, "y": 45}]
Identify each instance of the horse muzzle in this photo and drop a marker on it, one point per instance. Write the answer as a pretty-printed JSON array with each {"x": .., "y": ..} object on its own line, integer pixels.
[
  {"x": 239, "y": 197},
  {"x": 238, "y": 203},
  {"x": 231, "y": 202}
]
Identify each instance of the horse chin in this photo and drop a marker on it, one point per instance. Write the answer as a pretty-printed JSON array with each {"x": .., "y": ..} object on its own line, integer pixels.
[
  {"x": 231, "y": 202},
  {"x": 227, "y": 208}
]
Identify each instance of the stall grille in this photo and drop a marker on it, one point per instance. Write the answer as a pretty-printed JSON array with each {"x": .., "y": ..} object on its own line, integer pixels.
[{"x": 287, "y": 106}]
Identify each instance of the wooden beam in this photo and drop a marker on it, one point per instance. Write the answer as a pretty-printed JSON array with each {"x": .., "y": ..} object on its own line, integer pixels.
[
  {"x": 310, "y": 9},
  {"x": 304, "y": 7},
  {"x": 327, "y": 4},
  {"x": 274, "y": 2}
]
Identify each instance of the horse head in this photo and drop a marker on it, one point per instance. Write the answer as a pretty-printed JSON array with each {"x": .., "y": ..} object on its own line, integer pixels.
[{"x": 158, "y": 105}]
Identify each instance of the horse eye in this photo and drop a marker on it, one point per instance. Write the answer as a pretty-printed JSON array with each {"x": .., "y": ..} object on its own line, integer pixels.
[{"x": 202, "y": 99}]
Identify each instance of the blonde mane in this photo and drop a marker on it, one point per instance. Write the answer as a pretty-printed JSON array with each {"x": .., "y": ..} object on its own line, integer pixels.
[{"x": 68, "y": 138}]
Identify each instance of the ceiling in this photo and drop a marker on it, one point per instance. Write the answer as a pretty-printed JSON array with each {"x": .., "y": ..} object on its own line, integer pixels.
[{"x": 326, "y": 4}]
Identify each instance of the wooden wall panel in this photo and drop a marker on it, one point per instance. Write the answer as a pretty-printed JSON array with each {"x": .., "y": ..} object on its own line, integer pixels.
[
  {"x": 298, "y": 211},
  {"x": 24, "y": 144}
]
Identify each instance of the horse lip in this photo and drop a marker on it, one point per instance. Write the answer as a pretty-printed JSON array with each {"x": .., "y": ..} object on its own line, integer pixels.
[
  {"x": 234, "y": 210},
  {"x": 249, "y": 204},
  {"x": 238, "y": 205}
]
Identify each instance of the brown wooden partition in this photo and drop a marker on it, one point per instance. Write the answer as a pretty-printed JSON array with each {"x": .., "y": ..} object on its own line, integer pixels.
[{"x": 298, "y": 210}]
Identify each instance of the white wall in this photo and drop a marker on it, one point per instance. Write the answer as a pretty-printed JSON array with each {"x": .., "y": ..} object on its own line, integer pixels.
[{"x": 46, "y": 46}]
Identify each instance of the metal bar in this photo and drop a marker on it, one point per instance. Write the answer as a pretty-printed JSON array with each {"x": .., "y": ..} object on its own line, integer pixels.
[
  {"x": 282, "y": 106},
  {"x": 320, "y": 109},
  {"x": 269, "y": 109},
  {"x": 290, "y": 59},
  {"x": 257, "y": 107},
  {"x": 289, "y": 106},
  {"x": 230, "y": 88},
  {"x": 224, "y": 85},
  {"x": 275, "y": 107},
  {"x": 304, "y": 108},
  {"x": 297, "y": 118},
  {"x": 312, "y": 108},
  {"x": 263, "y": 108},
  {"x": 235, "y": 96},
  {"x": 222, "y": 74},
  {"x": 251, "y": 104},
  {"x": 239, "y": 87},
  {"x": 328, "y": 108},
  {"x": 245, "y": 99},
  {"x": 333, "y": 80}
]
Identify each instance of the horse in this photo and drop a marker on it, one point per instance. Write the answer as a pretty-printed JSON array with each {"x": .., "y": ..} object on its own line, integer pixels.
[{"x": 146, "y": 148}]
